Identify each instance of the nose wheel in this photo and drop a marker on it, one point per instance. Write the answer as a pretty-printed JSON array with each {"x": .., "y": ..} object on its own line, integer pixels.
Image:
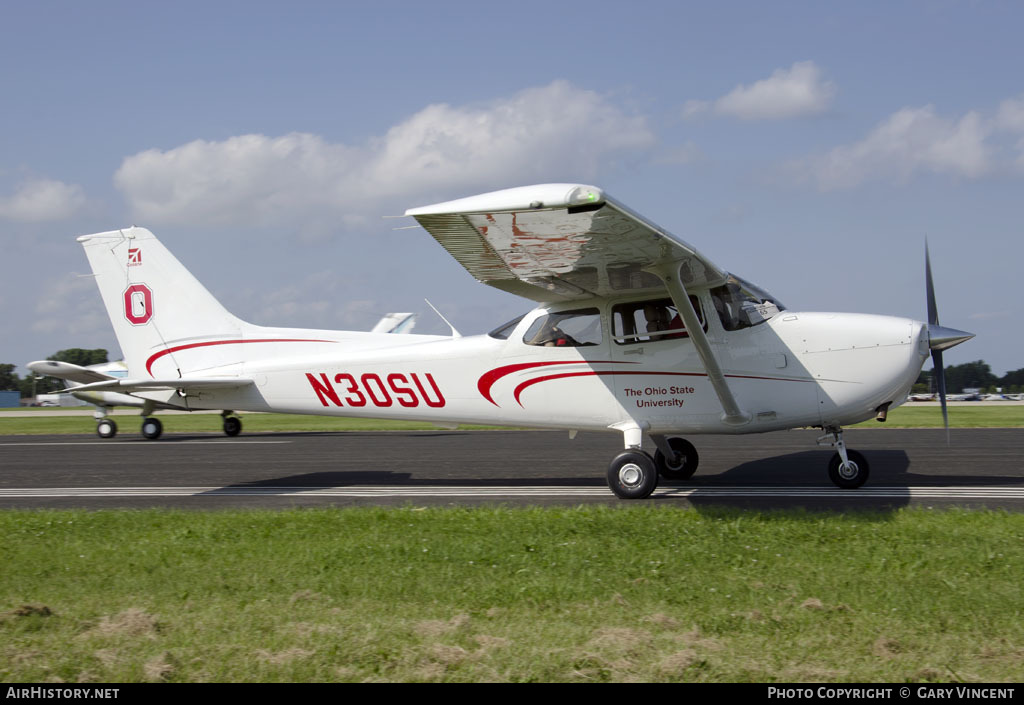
[
  {"x": 847, "y": 469},
  {"x": 849, "y": 475}
]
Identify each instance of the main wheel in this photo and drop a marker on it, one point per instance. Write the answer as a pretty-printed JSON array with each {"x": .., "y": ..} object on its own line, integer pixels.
[
  {"x": 684, "y": 464},
  {"x": 852, "y": 477},
  {"x": 232, "y": 425},
  {"x": 106, "y": 428},
  {"x": 632, "y": 475},
  {"x": 152, "y": 428}
]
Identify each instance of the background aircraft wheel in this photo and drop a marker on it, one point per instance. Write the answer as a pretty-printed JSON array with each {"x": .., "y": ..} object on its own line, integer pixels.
[
  {"x": 685, "y": 464},
  {"x": 848, "y": 478},
  {"x": 106, "y": 428},
  {"x": 152, "y": 428},
  {"x": 232, "y": 425},
  {"x": 632, "y": 475}
]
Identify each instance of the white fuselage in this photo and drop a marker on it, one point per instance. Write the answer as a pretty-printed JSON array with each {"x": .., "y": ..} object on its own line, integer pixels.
[{"x": 795, "y": 370}]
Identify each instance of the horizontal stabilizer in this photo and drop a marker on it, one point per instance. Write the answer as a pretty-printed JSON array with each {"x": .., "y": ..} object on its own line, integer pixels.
[
  {"x": 65, "y": 370},
  {"x": 157, "y": 385}
]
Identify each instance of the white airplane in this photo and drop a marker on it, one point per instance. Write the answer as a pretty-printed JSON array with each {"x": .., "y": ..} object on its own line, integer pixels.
[
  {"x": 75, "y": 376},
  {"x": 636, "y": 332}
]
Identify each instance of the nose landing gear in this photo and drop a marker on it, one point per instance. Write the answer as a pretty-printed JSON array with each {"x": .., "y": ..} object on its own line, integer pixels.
[{"x": 847, "y": 469}]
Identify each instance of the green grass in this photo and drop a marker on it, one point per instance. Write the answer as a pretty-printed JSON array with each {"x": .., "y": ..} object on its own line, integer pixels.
[
  {"x": 50, "y": 423},
  {"x": 496, "y": 594},
  {"x": 1010, "y": 416}
]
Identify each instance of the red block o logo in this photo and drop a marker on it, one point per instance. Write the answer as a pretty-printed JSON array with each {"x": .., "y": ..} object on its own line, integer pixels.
[{"x": 138, "y": 304}]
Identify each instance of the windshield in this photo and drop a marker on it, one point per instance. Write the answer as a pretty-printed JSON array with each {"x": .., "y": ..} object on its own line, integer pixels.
[
  {"x": 503, "y": 331},
  {"x": 740, "y": 304},
  {"x": 566, "y": 329}
]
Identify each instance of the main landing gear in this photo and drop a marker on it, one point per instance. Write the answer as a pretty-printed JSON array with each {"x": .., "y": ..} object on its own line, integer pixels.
[
  {"x": 152, "y": 428},
  {"x": 232, "y": 424},
  {"x": 107, "y": 428},
  {"x": 633, "y": 474}
]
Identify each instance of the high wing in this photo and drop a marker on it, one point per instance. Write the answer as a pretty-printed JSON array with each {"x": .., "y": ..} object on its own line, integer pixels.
[{"x": 561, "y": 242}]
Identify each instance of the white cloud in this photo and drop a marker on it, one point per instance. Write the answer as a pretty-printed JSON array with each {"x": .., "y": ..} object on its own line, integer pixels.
[
  {"x": 686, "y": 153},
  {"x": 540, "y": 134},
  {"x": 988, "y": 315},
  {"x": 1010, "y": 118},
  {"x": 70, "y": 305},
  {"x": 39, "y": 200},
  {"x": 909, "y": 141},
  {"x": 797, "y": 91}
]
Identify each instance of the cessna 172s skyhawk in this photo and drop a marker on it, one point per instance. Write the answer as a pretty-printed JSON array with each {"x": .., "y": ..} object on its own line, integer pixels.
[{"x": 636, "y": 332}]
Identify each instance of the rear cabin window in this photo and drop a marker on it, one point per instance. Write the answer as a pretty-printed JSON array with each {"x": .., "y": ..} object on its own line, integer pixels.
[
  {"x": 569, "y": 329},
  {"x": 652, "y": 320}
]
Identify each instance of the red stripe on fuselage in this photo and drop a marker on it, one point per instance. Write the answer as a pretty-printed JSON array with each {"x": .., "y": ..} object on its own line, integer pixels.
[
  {"x": 156, "y": 356},
  {"x": 593, "y": 373}
]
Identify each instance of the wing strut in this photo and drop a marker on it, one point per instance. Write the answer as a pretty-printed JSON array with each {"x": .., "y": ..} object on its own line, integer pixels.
[{"x": 733, "y": 414}]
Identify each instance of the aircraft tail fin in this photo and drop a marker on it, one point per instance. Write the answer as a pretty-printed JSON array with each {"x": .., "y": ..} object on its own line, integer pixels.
[{"x": 156, "y": 306}]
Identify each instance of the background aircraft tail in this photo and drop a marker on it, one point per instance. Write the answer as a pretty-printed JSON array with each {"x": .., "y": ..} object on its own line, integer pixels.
[{"x": 155, "y": 305}]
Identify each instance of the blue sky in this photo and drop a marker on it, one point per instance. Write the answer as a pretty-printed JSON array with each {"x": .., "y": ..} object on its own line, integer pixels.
[{"x": 809, "y": 147}]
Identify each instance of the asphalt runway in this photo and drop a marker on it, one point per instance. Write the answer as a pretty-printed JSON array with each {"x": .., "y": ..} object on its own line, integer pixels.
[{"x": 981, "y": 468}]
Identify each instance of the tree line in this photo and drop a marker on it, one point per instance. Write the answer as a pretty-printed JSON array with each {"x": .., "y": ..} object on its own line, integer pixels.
[
  {"x": 973, "y": 375},
  {"x": 970, "y": 375}
]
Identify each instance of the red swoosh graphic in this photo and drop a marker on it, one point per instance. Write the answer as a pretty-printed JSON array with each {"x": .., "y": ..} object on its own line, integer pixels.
[
  {"x": 488, "y": 379},
  {"x": 156, "y": 356}
]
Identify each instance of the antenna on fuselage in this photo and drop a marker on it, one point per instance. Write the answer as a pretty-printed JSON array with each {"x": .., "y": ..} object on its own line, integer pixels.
[{"x": 455, "y": 333}]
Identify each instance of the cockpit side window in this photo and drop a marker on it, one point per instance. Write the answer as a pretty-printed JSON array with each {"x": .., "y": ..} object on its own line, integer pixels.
[
  {"x": 740, "y": 304},
  {"x": 651, "y": 320},
  {"x": 572, "y": 329}
]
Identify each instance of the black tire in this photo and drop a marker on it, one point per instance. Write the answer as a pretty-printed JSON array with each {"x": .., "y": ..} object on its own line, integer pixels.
[
  {"x": 152, "y": 428},
  {"x": 632, "y": 475},
  {"x": 851, "y": 478},
  {"x": 232, "y": 425},
  {"x": 684, "y": 468},
  {"x": 106, "y": 428}
]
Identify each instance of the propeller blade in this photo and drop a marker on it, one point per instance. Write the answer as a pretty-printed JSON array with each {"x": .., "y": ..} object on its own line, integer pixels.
[
  {"x": 939, "y": 373},
  {"x": 933, "y": 311}
]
